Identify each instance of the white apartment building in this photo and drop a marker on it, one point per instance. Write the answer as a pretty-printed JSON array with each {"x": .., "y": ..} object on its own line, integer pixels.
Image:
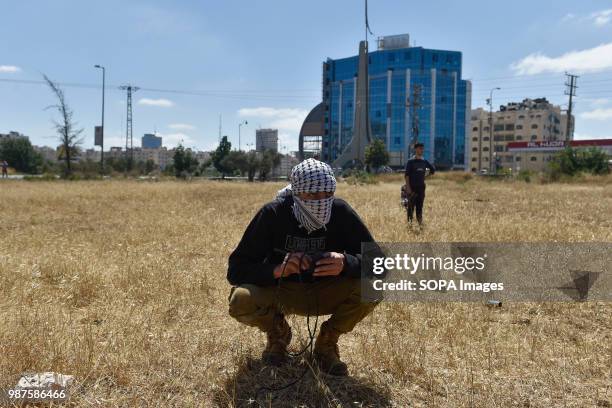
[{"x": 532, "y": 120}]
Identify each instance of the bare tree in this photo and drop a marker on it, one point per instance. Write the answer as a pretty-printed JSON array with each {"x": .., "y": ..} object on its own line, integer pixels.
[{"x": 65, "y": 127}]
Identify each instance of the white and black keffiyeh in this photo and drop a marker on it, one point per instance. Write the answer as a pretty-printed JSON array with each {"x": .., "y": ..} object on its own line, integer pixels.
[{"x": 311, "y": 176}]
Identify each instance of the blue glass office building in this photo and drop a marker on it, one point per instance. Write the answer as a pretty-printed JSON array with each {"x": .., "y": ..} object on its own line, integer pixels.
[
  {"x": 150, "y": 141},
  {"x": 396, "y": 72}
]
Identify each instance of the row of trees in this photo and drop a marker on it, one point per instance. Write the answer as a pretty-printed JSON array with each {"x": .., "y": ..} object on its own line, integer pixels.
[
  {"x": 231, "y": 162},
  {"x": 20, "y": 155}
]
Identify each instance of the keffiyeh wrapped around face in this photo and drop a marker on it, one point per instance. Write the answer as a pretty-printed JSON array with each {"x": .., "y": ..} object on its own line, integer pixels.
[{"x": 311, "y": 176}]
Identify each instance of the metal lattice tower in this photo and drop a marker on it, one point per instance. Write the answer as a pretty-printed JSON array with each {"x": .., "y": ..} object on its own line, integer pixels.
[{"x": 129, "y": 138}]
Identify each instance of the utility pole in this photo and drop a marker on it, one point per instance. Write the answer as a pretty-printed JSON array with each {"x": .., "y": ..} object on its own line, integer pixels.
[
  {"x": 571, "y": 91},
  {"x": 415, "y": 104},
  {"x": 490, "y": 102},
  {"x": 129, "y": 140}
]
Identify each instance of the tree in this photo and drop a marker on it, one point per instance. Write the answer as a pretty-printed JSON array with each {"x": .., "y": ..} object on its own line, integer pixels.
[
  {"x": 565, "y": 162},
  {"x": 219, "y": 154},
  {"x": 20, "y": 155},
  {"x": 269, "y": 160},
  {"x": 184, "y": 162},
  {"x": 235, "y": 160},
  {"x": 65, "y": 127},
  {"x": 593, "y": 160},
  {"x": 571, "y": 161},
  {"x": 376, "y": 154},
  {"x": 253, "y": 162},
  {"x": 149, "y": 166}
]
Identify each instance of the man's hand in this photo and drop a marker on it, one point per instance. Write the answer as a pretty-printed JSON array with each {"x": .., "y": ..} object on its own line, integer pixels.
[
  {"x": 291, "y": 265},
  {"x": 331, "y": 265}
]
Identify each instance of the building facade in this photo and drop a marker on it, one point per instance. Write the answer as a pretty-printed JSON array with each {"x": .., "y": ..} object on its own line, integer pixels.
[
  {"x": 48, "y": 153},
  {"x": 287, "y": 162},
  {"x": 535, "y": 156},
  {"x": 150, "y": 141},
  {"x": 266, "y": 139},
  {"x": 416, "y": 94},
  {"x": 161, "y": 157},
  {"x": 532, "y": 120}
]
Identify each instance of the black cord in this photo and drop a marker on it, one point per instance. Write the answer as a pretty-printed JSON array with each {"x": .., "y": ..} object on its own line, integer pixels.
[{"x": 311, "y": 334}]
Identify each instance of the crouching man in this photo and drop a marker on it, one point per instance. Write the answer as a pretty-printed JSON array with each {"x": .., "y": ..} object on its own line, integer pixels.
[{"x": 269, "y": 270}]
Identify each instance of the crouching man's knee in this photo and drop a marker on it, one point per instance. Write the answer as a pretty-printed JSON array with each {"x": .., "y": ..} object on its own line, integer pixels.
[
  {"x": 250, "y": 304},
  {"x": 241, "y": 302}
]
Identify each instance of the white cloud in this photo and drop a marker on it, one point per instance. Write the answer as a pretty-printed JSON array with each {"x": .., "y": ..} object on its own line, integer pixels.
[
  {"x": 9, "y": 69},
  {"x": 596, "y": 102},
  {"x": 567, "y": 17},
  {"x": 114, "y": 139},
  {"x": 598, "y": 114},
  {"x": 288, "y": 121},
  {"x": 164, "y": 103},
  {"x": 590, "y": 60},
  {"x": 181, "y": 126},
  {"x": 171, "y": 140},
  {"x": 601, "y": 18}
]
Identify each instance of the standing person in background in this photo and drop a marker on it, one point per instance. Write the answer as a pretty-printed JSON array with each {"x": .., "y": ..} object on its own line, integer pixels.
[
  {"x": 4, "y": 166},
  {"x": 417, "y": 169}
]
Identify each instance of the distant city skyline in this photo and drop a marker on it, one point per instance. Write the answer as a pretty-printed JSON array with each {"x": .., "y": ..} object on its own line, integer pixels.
[{"x": 262, "y": 62}]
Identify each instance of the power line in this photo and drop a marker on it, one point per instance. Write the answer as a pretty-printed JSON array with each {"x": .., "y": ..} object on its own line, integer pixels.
[{"x": 243, "y": 94}]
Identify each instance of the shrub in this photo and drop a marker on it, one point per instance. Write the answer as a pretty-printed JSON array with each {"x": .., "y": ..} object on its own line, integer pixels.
[
  {"x": 355, "y": 177},
  {"x": 525, "y": 175}
]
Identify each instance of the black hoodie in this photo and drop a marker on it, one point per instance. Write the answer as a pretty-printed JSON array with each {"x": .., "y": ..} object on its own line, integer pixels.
[{"x": 274, "y": 231}]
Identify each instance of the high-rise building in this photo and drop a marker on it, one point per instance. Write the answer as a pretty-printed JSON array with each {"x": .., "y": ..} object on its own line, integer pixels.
[
  {"x": 532, "y": 120},
  {"x": 416, "y": 94},
  {"x": 150, "y": 141},
  {"x": 266, "y": 139}
]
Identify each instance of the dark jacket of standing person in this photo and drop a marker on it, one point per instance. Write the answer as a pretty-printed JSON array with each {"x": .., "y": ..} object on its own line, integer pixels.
[{"x": 416, "y": 170}]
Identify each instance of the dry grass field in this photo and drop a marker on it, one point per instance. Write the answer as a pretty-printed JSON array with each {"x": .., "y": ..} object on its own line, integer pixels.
[{"x": 122, "y": 284}]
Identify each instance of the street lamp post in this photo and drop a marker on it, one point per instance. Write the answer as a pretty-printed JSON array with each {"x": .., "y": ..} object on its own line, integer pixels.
[
  {"x": 102, "y": 136},
  {"x": 239, "y": 126},
  {"x": 490, "y": 102}
]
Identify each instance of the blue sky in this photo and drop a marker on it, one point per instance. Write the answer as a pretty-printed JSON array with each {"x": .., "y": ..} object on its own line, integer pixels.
[{"x": 260, "y": 61}]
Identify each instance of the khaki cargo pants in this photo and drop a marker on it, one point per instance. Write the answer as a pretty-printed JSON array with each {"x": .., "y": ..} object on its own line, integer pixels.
[{"x": 339, "y": 297}]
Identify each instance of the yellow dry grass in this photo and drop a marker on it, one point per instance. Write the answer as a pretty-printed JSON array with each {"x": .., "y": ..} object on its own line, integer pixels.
[{"x": 122, "y": 284}]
